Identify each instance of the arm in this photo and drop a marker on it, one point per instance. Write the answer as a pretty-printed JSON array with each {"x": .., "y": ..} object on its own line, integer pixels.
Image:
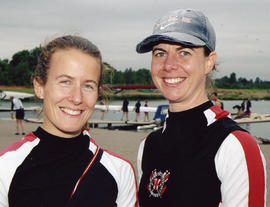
[
  {"x": 241, "y": 169},
  {"x": 127, "y": 194},
  {"x": 139, "y": 159},
  {"x": 123, "y": 172},
  {"x": 12, "y": 105},
  {"x": 3, "y": 195}
]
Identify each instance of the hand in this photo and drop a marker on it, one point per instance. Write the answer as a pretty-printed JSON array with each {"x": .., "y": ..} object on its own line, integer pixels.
[{"x": 11, "y": 115}]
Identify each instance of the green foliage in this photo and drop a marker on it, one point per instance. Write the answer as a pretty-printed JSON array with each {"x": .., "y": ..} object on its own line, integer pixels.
[
  {"x": 23, "y": 90},
  {"x": 129, "y": 76},
  {"x": 19, "y": 69},
  {"x": 241, "y": 83}
]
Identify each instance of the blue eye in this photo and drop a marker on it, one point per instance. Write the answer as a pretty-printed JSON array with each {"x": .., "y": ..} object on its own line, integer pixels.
[
  {"x": 65, "y": 82},
  {"x": 90, "y": 87},
  {"x": 161, "y": 54},
  {"x": 184, "y": 53}
]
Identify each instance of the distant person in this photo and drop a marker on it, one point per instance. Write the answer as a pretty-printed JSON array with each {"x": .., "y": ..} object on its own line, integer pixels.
[
  {"x": 216, "y": 101},
  {"x": 102, "y": 102},
  {"x": 248, "y": 106},
  {"x": 137, "y": 110},
  {"x": 125, "y": 109},
  {"x": 201, "y": 157},
  {"x": 59, "y": 164},
  {"x": 243, "y": 105},
  {"x": 239, "y": 113},
  {"x": 146, "y": 113},
  {"x": 16, "y": 104}
]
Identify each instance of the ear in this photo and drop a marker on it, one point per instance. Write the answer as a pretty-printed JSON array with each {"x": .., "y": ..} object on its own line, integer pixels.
[
  {"x": 39, "y": 88},
  {"x": 210, "y": 62}
]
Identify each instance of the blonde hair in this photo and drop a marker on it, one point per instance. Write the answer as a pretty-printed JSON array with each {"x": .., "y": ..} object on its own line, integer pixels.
[{"x": 62, "y": 43}]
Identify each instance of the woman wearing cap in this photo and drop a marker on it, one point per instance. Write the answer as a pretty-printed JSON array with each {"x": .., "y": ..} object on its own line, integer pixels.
[
  {"x": 59, "y": 164},
  {"x": 200, "y": 157}
]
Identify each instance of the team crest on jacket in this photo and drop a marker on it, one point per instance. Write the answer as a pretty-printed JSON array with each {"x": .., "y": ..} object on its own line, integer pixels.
[{"x": 157, "y": 182}]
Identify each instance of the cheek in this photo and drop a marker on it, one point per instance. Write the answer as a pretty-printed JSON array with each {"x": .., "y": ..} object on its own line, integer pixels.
[
  {"x": 90, "y": 99},
  {"x": 54, "y": 95},
  {"x": 154, "y": 70},
  {"x": 154, "y": 77}
]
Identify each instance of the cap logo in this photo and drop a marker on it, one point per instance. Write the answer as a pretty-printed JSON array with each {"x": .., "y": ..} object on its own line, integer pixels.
[
  {"x": 167, "y": 22},
  {"x": 186, "y": 19}
]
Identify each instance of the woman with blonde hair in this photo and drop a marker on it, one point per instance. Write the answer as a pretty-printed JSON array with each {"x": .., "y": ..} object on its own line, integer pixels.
[{"x": 60, "y": 164}]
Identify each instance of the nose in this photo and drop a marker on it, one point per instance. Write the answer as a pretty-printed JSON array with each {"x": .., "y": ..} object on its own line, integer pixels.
[
  {"x": 170, "y": 62},
  {"x": 76, "y": 95}
]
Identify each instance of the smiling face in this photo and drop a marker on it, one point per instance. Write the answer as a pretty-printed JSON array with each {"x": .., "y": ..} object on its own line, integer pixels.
[
  {"x": 70, "y": 92},
  {"x": 180, "y": 72}
]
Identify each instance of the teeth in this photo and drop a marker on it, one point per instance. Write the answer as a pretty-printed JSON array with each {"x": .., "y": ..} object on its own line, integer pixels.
[
  {"x": 173, "y": 80},
  {"x": 71, "y": 112}
]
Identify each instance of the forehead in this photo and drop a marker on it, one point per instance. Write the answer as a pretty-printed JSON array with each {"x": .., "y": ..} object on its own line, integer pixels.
[
  {"x": 175, "y": 47},
  {"x": 172, "y": 45},
  {"x": 69, "y": 53},
  {"x": 73, "y": 61}
]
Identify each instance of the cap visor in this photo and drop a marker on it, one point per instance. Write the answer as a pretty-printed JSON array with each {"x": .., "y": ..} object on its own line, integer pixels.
[{"x": 172, "y": 37}]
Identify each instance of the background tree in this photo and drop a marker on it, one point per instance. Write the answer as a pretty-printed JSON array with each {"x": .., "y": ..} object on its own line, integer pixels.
[{"x": 18, "y": 71}]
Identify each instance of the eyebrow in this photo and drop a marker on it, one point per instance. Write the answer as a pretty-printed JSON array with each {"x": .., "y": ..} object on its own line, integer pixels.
[
  {"x": 64, "y": 76},
  {"x": 157, "y": 48},
  {"x": 178, "y": 48}
]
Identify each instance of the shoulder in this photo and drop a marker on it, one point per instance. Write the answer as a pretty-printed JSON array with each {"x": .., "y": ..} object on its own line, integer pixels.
[
  {"x": 240, "y": 151},
  {"x": 149, "y": 142},
  {"x": 123, "y": 173},
  {"x": 241, "y": 167},
  {"x": 113, "y": 160},
  {"x": 20, "y": 146},
  {"x": 153, "y": 138},
  {"x": 118, "y": 166},
  {"x": 12, "y": 157},
  {"x": 242, "y": 143}
]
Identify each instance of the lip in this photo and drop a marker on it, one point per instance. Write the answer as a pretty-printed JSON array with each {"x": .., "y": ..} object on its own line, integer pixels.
[
  {"x": 71, "y": 112},
  {"x": 173, "y": 80}
]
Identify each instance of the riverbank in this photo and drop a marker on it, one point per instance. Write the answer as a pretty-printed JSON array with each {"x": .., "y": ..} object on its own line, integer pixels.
[{"x": 240, "y": 94}]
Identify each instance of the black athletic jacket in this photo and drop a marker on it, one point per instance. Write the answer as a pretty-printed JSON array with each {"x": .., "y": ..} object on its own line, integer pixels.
[
  {"x": 201, "y": 158},
  {"x": 46, "y": 170}
]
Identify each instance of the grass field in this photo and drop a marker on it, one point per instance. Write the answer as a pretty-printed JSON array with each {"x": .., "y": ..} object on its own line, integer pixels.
[{"x": 24, "y": 90}]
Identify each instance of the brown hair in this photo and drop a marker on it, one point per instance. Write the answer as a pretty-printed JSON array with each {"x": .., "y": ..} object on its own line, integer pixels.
[
  {"x": 209, "y": 79},
  {"x": 64, "y": 43}
]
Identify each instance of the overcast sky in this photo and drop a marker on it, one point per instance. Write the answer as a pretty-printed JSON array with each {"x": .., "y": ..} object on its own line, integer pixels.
[{"x": 116, "y": 26}]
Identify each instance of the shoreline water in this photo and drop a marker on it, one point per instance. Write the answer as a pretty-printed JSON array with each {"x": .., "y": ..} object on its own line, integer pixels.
[
  {"x": 133, "y": 94},
  {"x": 256, "y": 129}
]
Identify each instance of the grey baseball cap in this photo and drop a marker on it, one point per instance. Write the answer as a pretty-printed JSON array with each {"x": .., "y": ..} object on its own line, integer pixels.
[{"x": 184, "y": 26}]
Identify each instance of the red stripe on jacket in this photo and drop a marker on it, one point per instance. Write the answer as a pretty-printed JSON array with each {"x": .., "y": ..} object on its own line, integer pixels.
[
  {"x": 255, "y": 169},
  {"x": 219, "y": 112},
  {"x": 16, "y": 145}
]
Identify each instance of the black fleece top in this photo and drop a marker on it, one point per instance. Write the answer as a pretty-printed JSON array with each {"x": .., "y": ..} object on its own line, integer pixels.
[
  {"x": 178, "y": 161},
  {"x": 51, "y": 170}
]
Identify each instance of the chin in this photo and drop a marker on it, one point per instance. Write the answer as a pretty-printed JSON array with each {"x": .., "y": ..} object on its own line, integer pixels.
[
  {"x": 172, "y": 97},
  {"x": 71, "y": 130}
]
